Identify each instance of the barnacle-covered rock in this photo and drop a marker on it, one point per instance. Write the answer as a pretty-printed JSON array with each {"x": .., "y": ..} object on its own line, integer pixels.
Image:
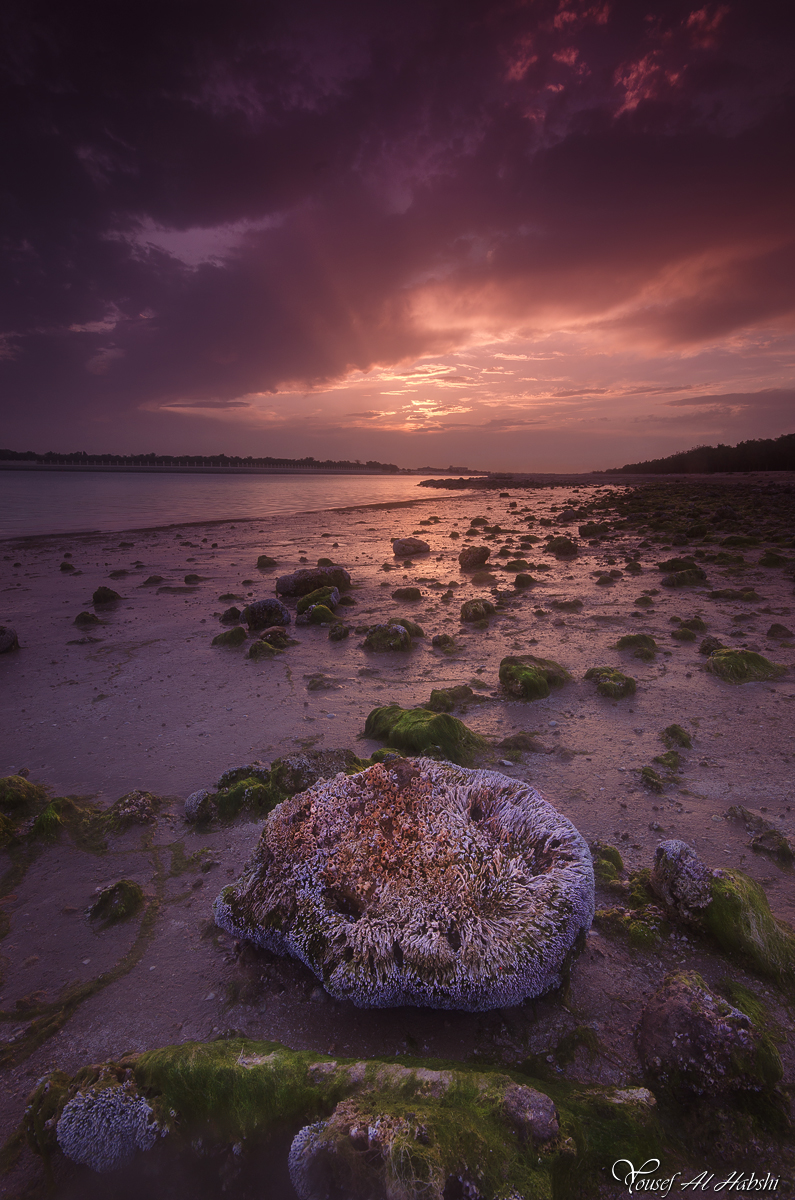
[
  {"x": 417, "y": 882},
  {"x": 262, "y": 614},
  {"x": 104, "y": 1128}
]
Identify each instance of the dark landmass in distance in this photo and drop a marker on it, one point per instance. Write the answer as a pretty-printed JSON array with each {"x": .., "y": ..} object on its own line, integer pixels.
[{"x": 759, "y": 454}]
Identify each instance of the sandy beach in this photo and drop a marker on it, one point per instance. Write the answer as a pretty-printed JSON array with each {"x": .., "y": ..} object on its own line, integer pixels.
[{"x": 143, "y": 700}]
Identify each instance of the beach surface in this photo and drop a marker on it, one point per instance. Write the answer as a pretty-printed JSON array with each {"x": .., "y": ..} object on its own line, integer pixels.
[{"x": 143, "y": 700}]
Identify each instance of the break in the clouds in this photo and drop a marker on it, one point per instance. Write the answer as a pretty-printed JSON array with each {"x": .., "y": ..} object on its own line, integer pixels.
[{"x": 554, "y": 233}]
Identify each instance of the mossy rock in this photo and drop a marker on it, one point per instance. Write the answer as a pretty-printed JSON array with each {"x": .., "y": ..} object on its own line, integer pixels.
[
  {"x": 607, "y": 861},
  {"x": 531, "y": 678},
  {"x": 642, "y": 645},
  {"x": 261, "y": 650},
  {"x": 478, "y": 609},
  {"x": 749, "y": 595},
  {"x": 517, "y": 565},
  {"x": 327, "y": 596},
  {"x": 17, "y": 794},
  {"x": 387, "y": 637},
  {"x": 443, "y": 641},
  {"x": 739, "y": 918},
  {"x": 422, "y": 732},
  {"x": 696, "y": 624},
  {"x": 320, "y": 615},
  {"x": 771, "y": 558},
  {"x": 675, "y": 735},
  {"x": 105, "y": 595},
  {"x": 48, "y": 823},
  {"x": 651, "y": 780},
  {"x": 252, "y": 792},
  {"x": 230, "y": 637},
  {"x": 118, "y": 902},
  {"x": 265, "y": 561},
  {"x": 743, "y": 666},
  {"x": 413, "y": 628},
  {"x": 611, "y": 683},
  {"x": 86, "y": 618},
  {"x": 683, "y": 634},
  {"x": 642, "y": 927},
  {"x": 671, "y": 760},
  {"x": 339, "y": 632},
  {"x": 446, "y": 699},
  {"x": 692, "y": 577}
]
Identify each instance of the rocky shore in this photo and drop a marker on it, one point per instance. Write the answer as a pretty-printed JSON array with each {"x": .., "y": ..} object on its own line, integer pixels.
[{"x": 625, "y": 651}]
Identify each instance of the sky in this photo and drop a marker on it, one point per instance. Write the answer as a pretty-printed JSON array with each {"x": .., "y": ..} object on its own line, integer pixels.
[{"x": 509, "y": 234}]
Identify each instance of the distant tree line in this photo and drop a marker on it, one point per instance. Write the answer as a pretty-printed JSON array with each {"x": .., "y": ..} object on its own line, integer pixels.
[
  {"x": 760, "y": 454},
  {"x": 81, "y": 458}
]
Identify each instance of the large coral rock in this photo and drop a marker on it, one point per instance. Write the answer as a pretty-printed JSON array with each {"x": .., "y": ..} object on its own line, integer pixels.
[
  {"x": 301, "y": 583},
  {"x": 691, "y": 1041},
  {"x": 418, "y": 883},
  {"x": 681, "y": 879}
]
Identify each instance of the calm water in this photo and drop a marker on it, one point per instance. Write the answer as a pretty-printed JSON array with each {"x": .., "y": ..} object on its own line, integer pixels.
[{"x": 62, "y": 502}]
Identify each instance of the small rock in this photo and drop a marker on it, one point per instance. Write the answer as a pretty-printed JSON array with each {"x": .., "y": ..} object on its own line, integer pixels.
[{"x": 405, "y": 547}]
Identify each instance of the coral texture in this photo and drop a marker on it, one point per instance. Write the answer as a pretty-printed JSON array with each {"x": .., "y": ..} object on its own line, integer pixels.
[
  {"x": 103, "y": 1129},
  {"x": 418, "y": 883}
]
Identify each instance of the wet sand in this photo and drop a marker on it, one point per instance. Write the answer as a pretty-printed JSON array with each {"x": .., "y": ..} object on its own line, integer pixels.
[{"x": 143, "y": 700}]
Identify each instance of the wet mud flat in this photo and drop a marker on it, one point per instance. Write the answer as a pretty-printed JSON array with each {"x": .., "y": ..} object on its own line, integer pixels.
[{"x": 139, "y": 700}]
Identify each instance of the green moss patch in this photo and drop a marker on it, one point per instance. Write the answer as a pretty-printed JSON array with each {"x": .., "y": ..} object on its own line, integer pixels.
[
  {"x": 531, "y": 678},
  {"x": 675, "y": 735},
  {"x": 411, "y": 627},
  {"x": 230, "y": 637},
  {"x": 642, "y": 645},
  {"x": 328, "y": 596},
  {"x": 419, "y": 731},
  {"x": 671, "y": 760},
  {"x": 118, "y": 902},
  {"x": 642, "y": 927},
  {"x": 739, "y": 918},
  {"x": 387, "y": 637},
  {"x": 611, "y": 683},
  {"x": 742, "y": 666},
  {"x": 19, "y": 796},
  {"x": 651, "y": 780}
]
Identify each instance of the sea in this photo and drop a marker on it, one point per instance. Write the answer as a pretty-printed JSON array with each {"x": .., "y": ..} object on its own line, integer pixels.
[{"x": 42, "y": 502}]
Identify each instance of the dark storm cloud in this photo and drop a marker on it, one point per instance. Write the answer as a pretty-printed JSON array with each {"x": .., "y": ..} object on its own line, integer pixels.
[{"x": 206, "y": 201}]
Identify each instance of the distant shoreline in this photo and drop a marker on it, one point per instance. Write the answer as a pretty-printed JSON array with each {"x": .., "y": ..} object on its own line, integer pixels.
[{"x": 175, "y": 469}]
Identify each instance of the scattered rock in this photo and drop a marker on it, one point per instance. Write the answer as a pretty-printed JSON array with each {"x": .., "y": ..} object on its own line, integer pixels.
[
  {"x": 230, "y": 616},
  {"x": 442, "y": 641},
  {"x": 407, "y": 593},
  {"x": 611, "y": 683},
  {"x": 275, "y": 636},
  {"x": 8, "y": 639},
  {"x": 561, "y": 547},
  {"x": 387, "y": 637},
  {"x": 709, "y": 645},
  {"x": 779, "y": 631},
  {"x": 742, "y": 666},
  {"x": 397, "y": 927},
  {"x": 338, "y": 632},
  {"x": 642, "y": 645},
  {"x": 262, "y": 614},
  {"x": 118, "y": 902},
  {"x": 86, "y": 618},
  {"x": 530, "y": 678},
  {"x": 477, "y": 609},
  {"x": 300, "y": 583},
  {"x": 232, "y": 637},
  {"x": 265, "y": 560},
  {"x": 692, "y": 1042},
  {"x": 329, "y": 597},
  {"x": 136, "y": 808},
  {"x": 200, "y": 807},
  {"x": 472, "y": 557},
  {"x": 405, "y": 547},
  {"x": 105, "y": 595}
]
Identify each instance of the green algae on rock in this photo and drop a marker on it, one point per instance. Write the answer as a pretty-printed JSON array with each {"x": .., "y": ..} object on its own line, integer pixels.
[
  {"x": 261, "y": 649},
  {"x": 643, "y": 927},
  {"x": 375, "y": 1127},
  {"x": 612, "y": 683},
  {"x": 411, "y": 627},
  {"x": 118, "y": 902},
  {"x": 387, "y": 637},
  {"x": 423, "y": 731},
  {"x": 642, "y": 645},
  {"x": 17, "y": 794},
  {"x": 439, "y": 887},
  {"x": 675, "y": 735},
  {"x": 742, "y": 666},
  {"x": 531, "y": 678},
  {"x": 477, "y": 609},
  {"x": 328, "y": 596},
  {"x": 230, "y": 637},
  {"x": 650, "y": 779}
]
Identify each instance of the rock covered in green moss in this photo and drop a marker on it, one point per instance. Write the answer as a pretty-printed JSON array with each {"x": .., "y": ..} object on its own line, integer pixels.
[
  {"x": 338, "y": 632},
  {"x": 642, "y": 927},
  {"x": 18, "y": 794},
  {"x": 318, "y": 614},
  {"x": 726, "y": 904},
  {"x": 328, "y": 596},
  {"x": 118, "y": 902},
  {"x": 261, "y": 650},
  {"x": 418, "y": 882},
  {"x": 529, "y": 677},
  {"x": 276, "y": 636},
  {"x": 612, "y": 683},
  {"x": 682, "y": 634},
  {"x": 675, "y": 735},
  {"x": 387, "y": 637},
  {"x": 443, "y": 641},
  {"x": 742, "y": 666},
  {"x": 692, "y": 1042},
  {"x": 477, "y": 609},
  {"x": 651, "y": 779},
  {"x": 607, "y": 861},
  {"x": 230, "y": 637},
  {"x": 642, "y": 645},
  {"x": 422, "y": 731},
  {"x": 306, "y": 580},
  {"x": 412, "y": 627}
]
